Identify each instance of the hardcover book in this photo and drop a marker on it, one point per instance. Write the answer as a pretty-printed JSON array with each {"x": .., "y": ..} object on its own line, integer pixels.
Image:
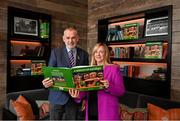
[
  {"x": 36, "y": 67},
  {"x": 84, "y": 78},
  {"x": 153, "y": 50},
  {"x": 131, "y": 31}
]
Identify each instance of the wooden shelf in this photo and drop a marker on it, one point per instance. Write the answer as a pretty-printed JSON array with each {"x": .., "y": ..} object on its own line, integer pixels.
[
  {"x": 27, "y": 49},
  {"x": 26, "y": 58},
  {"x": 139, "y": 41},
  {"x": 139, "y": 60}
]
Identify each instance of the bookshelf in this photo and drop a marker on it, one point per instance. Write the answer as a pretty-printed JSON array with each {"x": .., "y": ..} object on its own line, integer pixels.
[
  {"x": 141, "y": 44},
  {"x": 28, "y": 48}
]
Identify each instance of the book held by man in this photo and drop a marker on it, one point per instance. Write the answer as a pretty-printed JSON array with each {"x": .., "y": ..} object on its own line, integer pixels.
[{"x": 84, "y": 78}]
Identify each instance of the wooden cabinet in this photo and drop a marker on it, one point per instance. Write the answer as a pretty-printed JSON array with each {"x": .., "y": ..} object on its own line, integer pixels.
[{"x": 141, "y": 44}]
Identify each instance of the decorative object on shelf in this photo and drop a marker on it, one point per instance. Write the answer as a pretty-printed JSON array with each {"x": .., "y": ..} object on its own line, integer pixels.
[
  {"x": 26, "y": 51},
  {"x": 114, "y": 34},
  {"x": 44, "y": 29},
  {"x": 25, "y": 26},
  {"x": 157, "y": 26}
]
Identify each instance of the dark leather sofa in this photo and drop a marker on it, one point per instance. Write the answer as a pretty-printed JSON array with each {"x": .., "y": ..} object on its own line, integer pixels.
[
  {"x": 30, "y": 95},
  {"x": 131, "y": 99},
  {"x": 136, "y": 100}
]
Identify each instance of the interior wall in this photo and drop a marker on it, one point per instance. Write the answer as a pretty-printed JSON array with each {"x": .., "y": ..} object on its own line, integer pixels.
[
  {"x": 64, "y": 13},
  {"x": 100, "y": 9}
]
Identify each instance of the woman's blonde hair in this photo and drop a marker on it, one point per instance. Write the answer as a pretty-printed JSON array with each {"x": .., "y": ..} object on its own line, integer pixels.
[{"x": 106, "y": 57}]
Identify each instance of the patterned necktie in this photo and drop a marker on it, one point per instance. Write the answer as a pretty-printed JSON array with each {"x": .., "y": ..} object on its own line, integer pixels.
[{"x": 71, "y": 58}]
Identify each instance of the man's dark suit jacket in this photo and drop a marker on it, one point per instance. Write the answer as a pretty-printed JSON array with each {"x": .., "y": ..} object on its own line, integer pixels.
[{"x": 59, "y": 58}]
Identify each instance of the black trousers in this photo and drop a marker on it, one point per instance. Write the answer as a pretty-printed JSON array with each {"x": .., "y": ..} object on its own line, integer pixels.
[{"x": 70, "y": 111}]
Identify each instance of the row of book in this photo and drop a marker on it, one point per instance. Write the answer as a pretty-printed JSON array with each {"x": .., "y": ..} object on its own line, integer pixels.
[
  {"x": 133, "y": 71},
  {"x": 39, "y": 51},
  {"x": 130, "y": 71},
  {"x": 151, "y": 50}
]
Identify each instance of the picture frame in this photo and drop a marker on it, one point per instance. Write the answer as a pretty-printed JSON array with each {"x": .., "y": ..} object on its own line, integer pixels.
[
  {"x": 156, "y": 26},
  {"x": 25, "y": 26}
]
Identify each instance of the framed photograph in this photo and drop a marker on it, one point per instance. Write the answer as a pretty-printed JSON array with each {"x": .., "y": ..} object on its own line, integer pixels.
[
  {"x": 25, "y": 26},
  {"x": 157, "y": 26}
]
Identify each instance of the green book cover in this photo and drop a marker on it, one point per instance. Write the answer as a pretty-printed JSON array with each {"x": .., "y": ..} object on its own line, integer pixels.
[
  {"x": 131, "y": 31},
  {"x": 84, "y": 78},
  {"x": 153, "y": 50}
]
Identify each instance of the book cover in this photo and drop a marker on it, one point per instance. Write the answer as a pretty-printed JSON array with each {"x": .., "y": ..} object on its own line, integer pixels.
[
  {"x": 36, "y": 67},
  {"x": 153, "y": 50},
  {"x": 131, "y": 31},
  {"x": 84, "y": 78}
]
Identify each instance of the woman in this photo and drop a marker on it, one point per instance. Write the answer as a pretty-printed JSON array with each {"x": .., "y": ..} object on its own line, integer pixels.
[{"x": 106, "y": 100}]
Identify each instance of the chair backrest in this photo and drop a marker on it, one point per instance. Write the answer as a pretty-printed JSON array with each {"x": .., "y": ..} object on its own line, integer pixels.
[{"x": 161, "y": 102}]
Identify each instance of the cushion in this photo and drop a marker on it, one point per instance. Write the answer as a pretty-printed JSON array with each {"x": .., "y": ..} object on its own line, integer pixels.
[
  {"x": 158, "y": 113},
  {"x": 43, "y": 108},
  {"x": 33, "y": 104},
  {"x": 23, "y": 108},
  {"x": 40, "y": 102},
  {"x": 11, "y": 107},
  {"x": 127, "y": 113}
]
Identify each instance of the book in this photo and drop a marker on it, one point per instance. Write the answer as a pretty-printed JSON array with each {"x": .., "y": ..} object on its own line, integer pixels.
[
  {"x": 165, "y": 47},
  {"x": 131, "y": 31},
  {"x": 36, "y": 67},
  {"x": 153, "y": 50},
  {"x": 84, "y": 78}
]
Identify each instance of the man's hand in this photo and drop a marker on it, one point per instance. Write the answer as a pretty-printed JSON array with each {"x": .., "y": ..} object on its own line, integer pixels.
[
  {"x": 105, "y": 83},
  {"x": 74, "y": 93},
  {"x": 47, "y": 82}
]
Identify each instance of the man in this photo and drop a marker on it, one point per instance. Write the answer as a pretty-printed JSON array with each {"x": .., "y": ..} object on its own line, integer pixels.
[{"x": 68, "y": 56}]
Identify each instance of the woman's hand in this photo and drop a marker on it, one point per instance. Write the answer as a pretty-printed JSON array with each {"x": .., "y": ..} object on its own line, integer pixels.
[
  {"x": 47, "y": 82},
  {"x": 74, "y": 93},
  {"x": 105, "y": 83}
]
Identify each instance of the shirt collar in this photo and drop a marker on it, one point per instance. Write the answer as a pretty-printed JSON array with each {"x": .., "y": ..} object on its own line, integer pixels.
[{"x": 74, "y": 49}]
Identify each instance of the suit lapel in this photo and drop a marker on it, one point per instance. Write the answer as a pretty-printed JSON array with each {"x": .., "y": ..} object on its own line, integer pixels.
[{"x": 78, "y": 55}]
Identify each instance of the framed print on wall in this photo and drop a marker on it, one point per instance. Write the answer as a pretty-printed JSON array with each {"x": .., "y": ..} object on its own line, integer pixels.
[
  {"x": 25, "y": 26},
  {"x": 156, "y": 26}
]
